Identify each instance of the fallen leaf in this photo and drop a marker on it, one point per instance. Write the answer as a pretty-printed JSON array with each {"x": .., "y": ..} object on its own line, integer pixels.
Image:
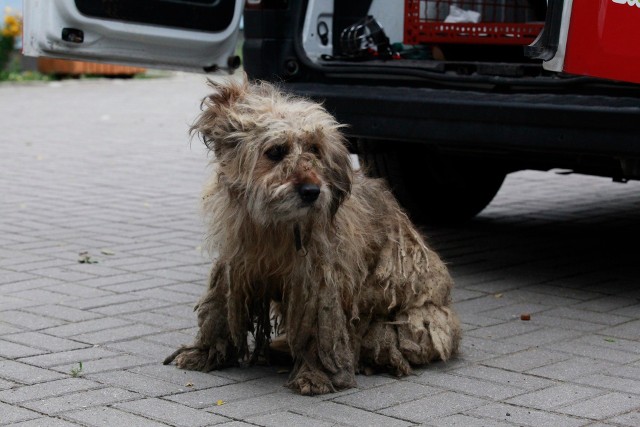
[
  {"x": 525, "y": 316},
  {"x": 107, "y": 252},
  {"x": 609, "y": 340},
  {"x": 188, "y": 385},
  {"x": 498, "y": 296},
  {"x": 220, "y": 402}
]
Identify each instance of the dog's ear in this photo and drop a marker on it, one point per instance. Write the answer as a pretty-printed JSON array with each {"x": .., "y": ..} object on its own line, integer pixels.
[
  {"x": 219, "y": 118},
  {"x": 339, "y": 171}
]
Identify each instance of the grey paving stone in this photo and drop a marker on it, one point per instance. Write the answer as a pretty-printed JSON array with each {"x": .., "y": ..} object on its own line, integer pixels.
[
  {"x": 117, "y": 334},
  {"x": 140, "y": 305},
  {"x": 12, "y": 414},
  {"x": 124, "y": 279},
  {"x": 554, "y": 397},
  {"x": 227, "y": 393},
  {"x": 6, "y": 384},
  {"x": 426, "y": 409},
  {"x": 625, "y": 371},
  {"x": 12, "y": 350},
  {"x": 142, "y": 347},
  {"x": 29, "y": 321},
  {"x": 569, "y": 369},
  {"x": 26, "y": 374},
  {"x": 182, "y": 377},
  {"x": 526, "y": 416},
  {"x": 609, "y": 382},
  {"x": 495, "y": 347},
  {"x": 138, "y": 383},
  {"x": 573, "y": 324},
  {"x": 103, "y": 416},
  {"x": 34, "y": 283},
  {"x": 77, "y": 290},
  {"x": 591, "y": 316},
  {"x": 504, "y": 330},
  {"x": 44, "y": 341},
  {"x": 140, "y": 283},
  {"x": 80, "y": 400},
  {"x": 43, "y": 296},
  {"x": 602, "y": 407},
  {"x": 629, "y": 330},
  {"x": 171, "y": 413},
  {"x": 242, "y": 409},
  {"x": 122, "y": 361},
  {"x": 370, "y": 381},
  {"x": 77, "y": 328},
  {"x": 597, "y": 352},
  {"x": 14, "y": 276},
  {"x": 513, "y": 379},
  {"x": 166, "y": 295},
  {"x": 544, "y": 336},
  {"x": 513, "y": 311},
  {"x": 62, "y": 312},
  {"x": 493, "y": 390},
  {"x": 629, "y": 419},
  {"x": 47, "y": 389},
  {"x": 92, "y": 303},
  {"x": 466, "y": 421},
  {"x": 287, "y": 419},
  {"x": 606, "y": 304},
  {"x": 160, "y": 319},
  {"x": 173, "y": 339},
  {"x": 66, "y": 357},
  {"x": 527, "y": 360},
  {"x": 346, "y": 415},
  {"x": 386, "y": 395},
  {"x": 45, "y": 422},
  {"x": 9, "y": 302},
  {"x": 62, "y": 273}
]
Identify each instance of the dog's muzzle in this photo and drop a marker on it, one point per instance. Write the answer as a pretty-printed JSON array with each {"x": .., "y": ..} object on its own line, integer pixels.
[{"x": 309, "y": 192}]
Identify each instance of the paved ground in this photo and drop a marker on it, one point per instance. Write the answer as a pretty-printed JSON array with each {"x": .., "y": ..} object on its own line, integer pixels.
[{"x": 105, "y": 167}]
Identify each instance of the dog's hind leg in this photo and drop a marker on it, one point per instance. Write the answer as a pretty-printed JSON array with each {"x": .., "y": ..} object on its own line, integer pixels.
[
  {"x": 416, "y": 336},
  {"x": 428, "y": 333},
  {"x": 213, "y": 347}
]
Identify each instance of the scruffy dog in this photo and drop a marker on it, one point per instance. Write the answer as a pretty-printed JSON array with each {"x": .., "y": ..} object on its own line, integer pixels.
[{"x": 309, "y": 251}]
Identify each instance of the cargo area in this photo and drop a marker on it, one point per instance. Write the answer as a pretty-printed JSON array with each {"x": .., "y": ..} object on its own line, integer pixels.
[{"x": 455, "y": 36}]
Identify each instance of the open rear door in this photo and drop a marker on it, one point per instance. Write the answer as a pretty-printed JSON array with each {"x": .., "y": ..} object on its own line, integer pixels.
[
  {"x": 192, "y": 35},
  {"x": 591, "y": 37}
]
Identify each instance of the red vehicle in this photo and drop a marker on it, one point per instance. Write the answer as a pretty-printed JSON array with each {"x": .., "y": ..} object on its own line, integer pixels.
[{"x": 441, "y": 96}]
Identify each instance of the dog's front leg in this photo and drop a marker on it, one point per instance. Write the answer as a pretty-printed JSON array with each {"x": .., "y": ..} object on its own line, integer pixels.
[
  {"x": 318, "y": 335},
  {"x": 213, "y": 347}
]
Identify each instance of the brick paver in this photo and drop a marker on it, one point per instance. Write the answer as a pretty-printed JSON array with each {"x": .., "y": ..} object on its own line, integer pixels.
[{"x": 105, "y": 167}]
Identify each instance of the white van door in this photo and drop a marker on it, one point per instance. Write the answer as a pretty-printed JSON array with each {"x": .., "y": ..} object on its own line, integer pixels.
[{"x": 190, "y": 35}]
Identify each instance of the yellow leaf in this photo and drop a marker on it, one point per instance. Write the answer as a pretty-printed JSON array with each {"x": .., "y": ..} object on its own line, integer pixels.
[{"x": 220, "y": 402}]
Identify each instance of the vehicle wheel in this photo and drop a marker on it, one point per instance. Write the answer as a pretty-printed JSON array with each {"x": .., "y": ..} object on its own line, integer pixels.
[{"x": 432, "y": 187}]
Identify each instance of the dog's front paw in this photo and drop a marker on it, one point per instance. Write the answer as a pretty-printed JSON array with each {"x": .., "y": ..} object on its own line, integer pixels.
[
  {"x": 311, "y": 383},
  {"x": 197, "y": 358}
]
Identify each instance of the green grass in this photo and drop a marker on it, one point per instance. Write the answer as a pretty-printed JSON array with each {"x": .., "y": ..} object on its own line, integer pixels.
[{"x": 23, "y": 76}]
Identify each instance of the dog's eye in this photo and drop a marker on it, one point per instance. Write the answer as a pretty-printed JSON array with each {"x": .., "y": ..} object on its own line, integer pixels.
[
  {"x": 315, "y": 150},
  {"x": 276, "y": 153}
]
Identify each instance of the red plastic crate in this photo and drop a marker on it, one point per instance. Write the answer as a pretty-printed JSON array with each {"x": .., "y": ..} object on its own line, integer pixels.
[{"x": 502, "y": 22}]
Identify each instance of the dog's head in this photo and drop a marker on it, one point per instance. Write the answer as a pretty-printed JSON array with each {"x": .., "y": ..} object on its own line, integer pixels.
[{"x": 281, "y": 156}]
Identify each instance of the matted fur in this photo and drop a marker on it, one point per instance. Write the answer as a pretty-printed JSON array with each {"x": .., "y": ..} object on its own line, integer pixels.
[{"x": 346, "y": 280}]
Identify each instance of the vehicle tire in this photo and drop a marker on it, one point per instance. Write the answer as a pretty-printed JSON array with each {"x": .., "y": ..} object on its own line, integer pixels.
[{"x": 431, "y": 186}]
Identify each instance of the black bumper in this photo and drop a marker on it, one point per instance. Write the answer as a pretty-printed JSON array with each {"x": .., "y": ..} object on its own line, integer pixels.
[{"x": 568, "y": 123}]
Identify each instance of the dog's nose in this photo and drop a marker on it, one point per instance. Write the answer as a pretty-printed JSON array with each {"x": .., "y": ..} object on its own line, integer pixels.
[{"x": 309, "y": 192}]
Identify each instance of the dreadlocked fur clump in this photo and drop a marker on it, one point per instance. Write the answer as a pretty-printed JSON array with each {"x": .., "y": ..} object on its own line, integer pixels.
[{"x": 309, "y": 251}]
